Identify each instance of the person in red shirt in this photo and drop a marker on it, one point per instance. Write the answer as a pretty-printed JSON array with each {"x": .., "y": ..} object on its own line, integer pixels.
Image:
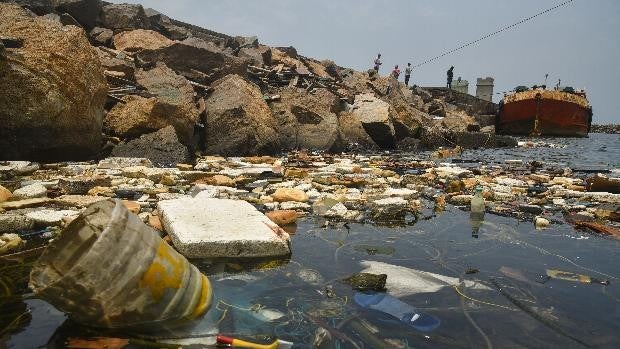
[{"x": 396, "y": 72}]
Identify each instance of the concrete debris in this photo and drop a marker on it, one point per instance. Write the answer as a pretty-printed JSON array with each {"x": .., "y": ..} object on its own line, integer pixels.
[
  {"x": 29, "y": 192},
  {"x": 232, "y": 228}
]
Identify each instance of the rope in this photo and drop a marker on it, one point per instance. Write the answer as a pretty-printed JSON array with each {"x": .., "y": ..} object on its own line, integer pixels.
[
  {"x": 493, "y": 34},
  {"x": 456, "y": 288}
]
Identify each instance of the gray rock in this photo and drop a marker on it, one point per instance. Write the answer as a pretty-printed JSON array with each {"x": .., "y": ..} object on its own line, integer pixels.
[
  {"x": 47, "y": 218},
  {"x": 119, "y": 17},
  {"x": 122, "y": 162},
  {"x": 30, "y": 192},
  {"x": 197, "y": 60},
  {"x": 40, "y": 7},
  {"x": 258, "y": 55},
  {"x": 81, "y": 185},
  {"x": 239, "y": 122},
  {"x": 175, "y": 97},
  {"x": 308, "y": 121},
  {"x": 67, "y": 19},
  {"x": 11, "y": 223},
  {"x": 207, "y": 228},
  {"x": 101, "y": 36},
  {"x": 534, "y": 209},
  {"x": 374, "y": 116},
  {"x": 162, "y": 148},
  {"x": 85, "y": 12}
]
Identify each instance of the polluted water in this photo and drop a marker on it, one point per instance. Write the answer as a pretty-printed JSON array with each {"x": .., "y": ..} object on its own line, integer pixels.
[{"x": 411, "y": 281}]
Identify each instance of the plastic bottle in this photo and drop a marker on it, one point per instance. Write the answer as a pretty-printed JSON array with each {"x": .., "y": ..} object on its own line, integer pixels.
[{"x": 476, "y": 215}]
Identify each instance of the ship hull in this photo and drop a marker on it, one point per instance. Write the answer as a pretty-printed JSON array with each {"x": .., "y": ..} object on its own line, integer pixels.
[{"x": 556, "y": 117}]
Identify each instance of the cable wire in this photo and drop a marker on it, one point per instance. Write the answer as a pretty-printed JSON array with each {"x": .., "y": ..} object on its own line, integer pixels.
[{"x": 493, "y": 34}]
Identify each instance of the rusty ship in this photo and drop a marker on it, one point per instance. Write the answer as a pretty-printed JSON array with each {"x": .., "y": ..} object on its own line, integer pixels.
[{"x": 542, "y": 112}]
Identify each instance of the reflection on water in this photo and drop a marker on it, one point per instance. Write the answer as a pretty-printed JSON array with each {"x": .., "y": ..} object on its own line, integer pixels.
[
  {"x": 303, "y": 299},
  {"x": 500, "y": 298}
]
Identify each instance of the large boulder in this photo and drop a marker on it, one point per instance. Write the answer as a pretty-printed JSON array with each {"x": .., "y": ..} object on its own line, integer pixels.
[
  {"x": 101, "y": 36},
  {"x": 52, "y": 90},
  {"x": 353, "y": 133},
  {"x": 259, "y": 56},
  {"x": 140, "y": 39},
  {"x": 238, "y": 121},
  {"x": 163, "y": 24},
  {"x": 40, "y": 7},
  {"x": 175, "y": 96},
  {"x": 307, "y": 120},
  {"x": 374, "y": 116},
  {"x": 407, "y": 120},
  {"x": 161, "y": 147},
  {"x": 120, "y": 17},
  {"x": 196, "y": 59},
  {"x": 134, "y": 116},
  {"x": 86, "y": 12}
]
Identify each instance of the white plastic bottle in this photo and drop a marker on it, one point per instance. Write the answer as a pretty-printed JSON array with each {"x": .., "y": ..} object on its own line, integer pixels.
[{"x": 476, "y": 215}]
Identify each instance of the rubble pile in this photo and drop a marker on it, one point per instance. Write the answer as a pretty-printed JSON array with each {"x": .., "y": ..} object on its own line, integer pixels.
[
  {"x": 377, "y": 189},
  {"x": 161, "y": 72}
]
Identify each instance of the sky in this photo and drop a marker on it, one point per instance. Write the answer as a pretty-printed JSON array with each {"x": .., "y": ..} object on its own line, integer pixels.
[{"x": 578, "y": 43}]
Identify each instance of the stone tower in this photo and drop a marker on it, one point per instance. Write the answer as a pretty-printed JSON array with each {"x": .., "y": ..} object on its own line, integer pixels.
[
  {"x": 460, "y": 85},
  {"x": 484, "y": 88}
]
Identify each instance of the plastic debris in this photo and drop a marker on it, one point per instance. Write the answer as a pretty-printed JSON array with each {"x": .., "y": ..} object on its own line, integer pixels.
[
  {"x": 565, "y": 275},
  {"x": 403, "y": 312}
]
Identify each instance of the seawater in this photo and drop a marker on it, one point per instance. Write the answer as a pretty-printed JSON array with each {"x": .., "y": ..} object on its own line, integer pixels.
[{"x": 293, "y": 299}]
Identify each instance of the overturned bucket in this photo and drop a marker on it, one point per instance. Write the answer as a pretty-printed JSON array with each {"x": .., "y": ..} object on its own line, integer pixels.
[{"x": 109, "y": 269}]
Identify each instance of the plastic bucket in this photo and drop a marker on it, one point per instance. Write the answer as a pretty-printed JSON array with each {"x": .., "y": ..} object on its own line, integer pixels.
[{"x": 109, "y": 269}]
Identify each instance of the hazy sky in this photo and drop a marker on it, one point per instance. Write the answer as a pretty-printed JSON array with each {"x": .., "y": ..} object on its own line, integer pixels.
[{"x": 578, "y": 43}]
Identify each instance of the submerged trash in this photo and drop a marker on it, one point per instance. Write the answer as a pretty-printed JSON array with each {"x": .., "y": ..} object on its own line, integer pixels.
[
  {"x": 367, "y": 282},
  {"x": 403, "y": 281},
  {"x": 599, "y": 228},
  {"x": 476, "y": 215},
  {"x": 108, "y": 269},
  {"x": 373, "y": 250},
  {"x": 238, "y": 343},
  {"x": 10, "y": 243},
  {"x": 405, "y": 313},
  {"x": 541, "y": 223},
  {"x": 565, "y": 275}
]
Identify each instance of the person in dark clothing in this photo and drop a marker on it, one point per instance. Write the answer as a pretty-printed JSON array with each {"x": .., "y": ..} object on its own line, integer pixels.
[
  {"x": 407, "y": 74},
  {"x": 450, "y": 76},
  {"x": 378, "y": 63}
]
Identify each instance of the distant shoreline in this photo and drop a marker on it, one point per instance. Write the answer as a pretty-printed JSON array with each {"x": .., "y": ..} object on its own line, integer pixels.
[{"x": 609, "y": 128}]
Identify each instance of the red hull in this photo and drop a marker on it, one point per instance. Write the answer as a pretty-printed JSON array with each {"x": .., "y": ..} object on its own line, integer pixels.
[{"x": 556, "y": 117}]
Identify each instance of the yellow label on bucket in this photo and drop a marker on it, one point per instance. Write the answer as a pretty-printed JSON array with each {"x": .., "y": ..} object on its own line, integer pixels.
[
  {"x": 166, "y": 271},
  {"x": 205, "y": 299}
]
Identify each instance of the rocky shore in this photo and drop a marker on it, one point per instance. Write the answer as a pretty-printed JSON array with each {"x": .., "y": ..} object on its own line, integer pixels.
[
  {"x": 378, "y": 189},
  {"x": 98, "y": 79}
]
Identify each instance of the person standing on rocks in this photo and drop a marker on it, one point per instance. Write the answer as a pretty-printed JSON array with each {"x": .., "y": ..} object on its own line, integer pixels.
[
  {"x": 378, "y": 63},
  {"x": 407, "y": 74},
  {"x": 396, "y": 72},
  {"x": 450, "y": 76}
]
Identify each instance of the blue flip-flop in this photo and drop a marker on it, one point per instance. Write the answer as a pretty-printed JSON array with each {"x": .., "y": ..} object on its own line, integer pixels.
[{"x": 395, "y": 308}]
